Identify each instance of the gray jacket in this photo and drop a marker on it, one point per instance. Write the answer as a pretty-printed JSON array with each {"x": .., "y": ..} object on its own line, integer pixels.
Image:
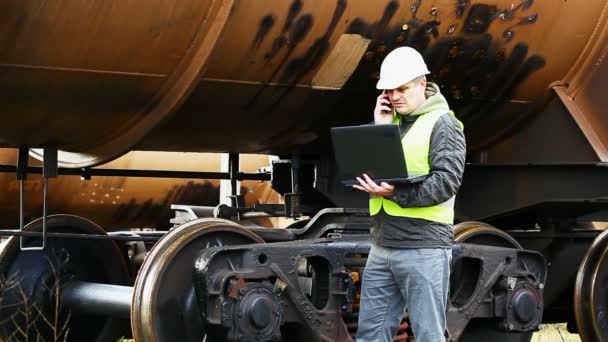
[{"x": 446, "y": 158}]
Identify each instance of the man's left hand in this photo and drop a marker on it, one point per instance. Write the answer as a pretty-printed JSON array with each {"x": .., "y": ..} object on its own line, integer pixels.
[{"x": 368, "y": 185}]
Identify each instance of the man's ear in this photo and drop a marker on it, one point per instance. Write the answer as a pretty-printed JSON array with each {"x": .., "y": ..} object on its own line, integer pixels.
[{"x": 423, "y": 82}]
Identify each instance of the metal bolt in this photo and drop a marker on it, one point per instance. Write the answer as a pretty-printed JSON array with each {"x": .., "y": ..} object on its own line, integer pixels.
[
  {"x": 541, "y": 286},
  {"x": 511, "y": 327}
]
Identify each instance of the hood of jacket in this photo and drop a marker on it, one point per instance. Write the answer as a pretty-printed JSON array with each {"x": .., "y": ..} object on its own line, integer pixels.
[{"x": 434, "y": 101}]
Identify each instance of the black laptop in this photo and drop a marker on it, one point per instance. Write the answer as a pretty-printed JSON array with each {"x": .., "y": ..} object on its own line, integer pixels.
[{"x": 375, "y": 150}]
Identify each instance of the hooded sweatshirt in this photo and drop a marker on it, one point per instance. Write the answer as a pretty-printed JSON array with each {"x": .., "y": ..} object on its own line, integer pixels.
[{"x": 446, "y": 159}]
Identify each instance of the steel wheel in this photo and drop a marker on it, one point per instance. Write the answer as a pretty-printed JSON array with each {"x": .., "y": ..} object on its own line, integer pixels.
[
  {"x": 38, "y": 273},
  {"x": 591, "y": 292},
  {"x": 479, "y": 233},
  {"x": 164, "y": 307},
  {"x": 462, "y": 280},
  {"x": 464, "y": 275}
]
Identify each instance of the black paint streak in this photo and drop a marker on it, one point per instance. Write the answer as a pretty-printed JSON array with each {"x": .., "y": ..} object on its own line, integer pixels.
[
  {"x": 377, "y": 29},
  {"x": 299, "y": 66},
  {"x": 281, "y": 40},
  {"x": 414, "y": 21},
  {"x": 289, "y": 37},
  {"x": 293, "y": 12},
  {"x": 277, "y": 45},
  {"x": 296, "y": 35},
  {"x": 300, "y": 30},
  {"x": 479, "y": 19},
  {"x": 508, "y": 75},
  {"x": 524, "y": 5},
  {"x": 481, "y": 16},
  {"x": 264, "y": 27},
  {"x": 473, "y": 69},
  {"x": 420, "y": 39},
  {"x": 377, "y": 32},
  {"x": 509, "y": 14},
  {"x": 461, "y": 7}
]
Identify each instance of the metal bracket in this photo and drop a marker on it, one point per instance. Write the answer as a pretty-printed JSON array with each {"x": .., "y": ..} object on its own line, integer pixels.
[
  {"x": 237, "y": 202},
  {"x": 233, "y": 169},
  {"x": 49, "y": 170},
  {"x": 293, "y": 198}
]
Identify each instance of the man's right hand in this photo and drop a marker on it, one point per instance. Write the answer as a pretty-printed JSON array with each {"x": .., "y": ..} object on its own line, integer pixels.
[{"x": 383, "y": 113}]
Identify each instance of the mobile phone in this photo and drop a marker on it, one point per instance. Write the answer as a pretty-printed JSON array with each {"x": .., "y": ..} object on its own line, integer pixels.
[{"x": 389, "y": 105}]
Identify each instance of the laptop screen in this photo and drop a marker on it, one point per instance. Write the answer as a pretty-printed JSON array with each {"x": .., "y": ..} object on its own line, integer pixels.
[{"x": 375, "y": 150}]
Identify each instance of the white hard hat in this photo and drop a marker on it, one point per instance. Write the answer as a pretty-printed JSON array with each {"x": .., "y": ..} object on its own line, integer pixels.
[{"x": 401, "y": 66}]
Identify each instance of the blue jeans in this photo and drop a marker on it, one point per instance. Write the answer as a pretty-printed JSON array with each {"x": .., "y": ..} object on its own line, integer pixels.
[{"x": 396, "y": 279}]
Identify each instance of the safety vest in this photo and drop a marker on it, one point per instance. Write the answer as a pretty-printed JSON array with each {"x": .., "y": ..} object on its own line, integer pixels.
[{"x": 416, "y": 146}]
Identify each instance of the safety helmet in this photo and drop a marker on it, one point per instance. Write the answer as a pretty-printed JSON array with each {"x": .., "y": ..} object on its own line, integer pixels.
[{"x": 401, "y": 66}]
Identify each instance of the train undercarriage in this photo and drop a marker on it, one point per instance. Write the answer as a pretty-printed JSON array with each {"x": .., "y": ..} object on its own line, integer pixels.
[
  {"x": 217, "y": 277},
  {"x": 85, "y": 82}
]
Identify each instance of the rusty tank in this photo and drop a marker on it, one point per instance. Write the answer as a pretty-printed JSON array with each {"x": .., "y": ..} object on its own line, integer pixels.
[
  {"x": 100, "y": 80},
  {"x": 120, "y": 203},
  {"x": 96, "y": 80}
]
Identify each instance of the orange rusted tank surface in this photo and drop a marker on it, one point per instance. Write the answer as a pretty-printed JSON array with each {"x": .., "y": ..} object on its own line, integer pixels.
[
  {"x": 265, "y": 76},
  {"x": 122, "y": 202}
]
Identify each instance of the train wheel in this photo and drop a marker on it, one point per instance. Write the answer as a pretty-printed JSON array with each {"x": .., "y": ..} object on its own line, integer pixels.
[
  {"x": 164, "y": 306},
  {"x": 591, "y": 292},
  {"x": 31, "y": 281},
  {"x": 463, "y": 280},
  {"x": 479, "y": 233}
]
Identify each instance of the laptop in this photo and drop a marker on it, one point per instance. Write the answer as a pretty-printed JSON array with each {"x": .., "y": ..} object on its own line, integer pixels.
[{"x": 375, "y": 150}]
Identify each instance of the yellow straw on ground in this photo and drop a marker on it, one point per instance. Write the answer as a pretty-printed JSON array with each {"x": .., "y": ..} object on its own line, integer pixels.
[{"x": 554, "y": 333}]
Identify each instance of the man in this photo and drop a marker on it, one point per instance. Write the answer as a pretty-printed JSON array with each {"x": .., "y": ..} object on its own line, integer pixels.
[{"x": 409, "y": 263}]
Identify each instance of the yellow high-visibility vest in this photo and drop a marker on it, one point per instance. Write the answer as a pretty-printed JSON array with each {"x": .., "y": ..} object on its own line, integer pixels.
[{"x": 416, "y": 146}]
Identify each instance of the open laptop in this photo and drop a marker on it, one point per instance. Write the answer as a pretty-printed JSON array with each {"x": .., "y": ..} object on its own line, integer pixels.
[{"x": 375, "y": 150}]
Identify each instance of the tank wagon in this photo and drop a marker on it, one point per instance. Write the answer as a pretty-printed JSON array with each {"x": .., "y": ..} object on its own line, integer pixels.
[{"x": 85, "y": 82}]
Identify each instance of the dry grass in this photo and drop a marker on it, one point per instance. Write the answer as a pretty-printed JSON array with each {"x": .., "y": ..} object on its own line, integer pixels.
[
  {"x": 27, "y": 321},
  {"x": 548, "y": 333},
  {"x": 555, "y": 333}
]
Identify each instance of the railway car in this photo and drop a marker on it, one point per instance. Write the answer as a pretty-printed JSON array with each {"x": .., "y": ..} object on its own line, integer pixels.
[{"x": 83, "y": 83}]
